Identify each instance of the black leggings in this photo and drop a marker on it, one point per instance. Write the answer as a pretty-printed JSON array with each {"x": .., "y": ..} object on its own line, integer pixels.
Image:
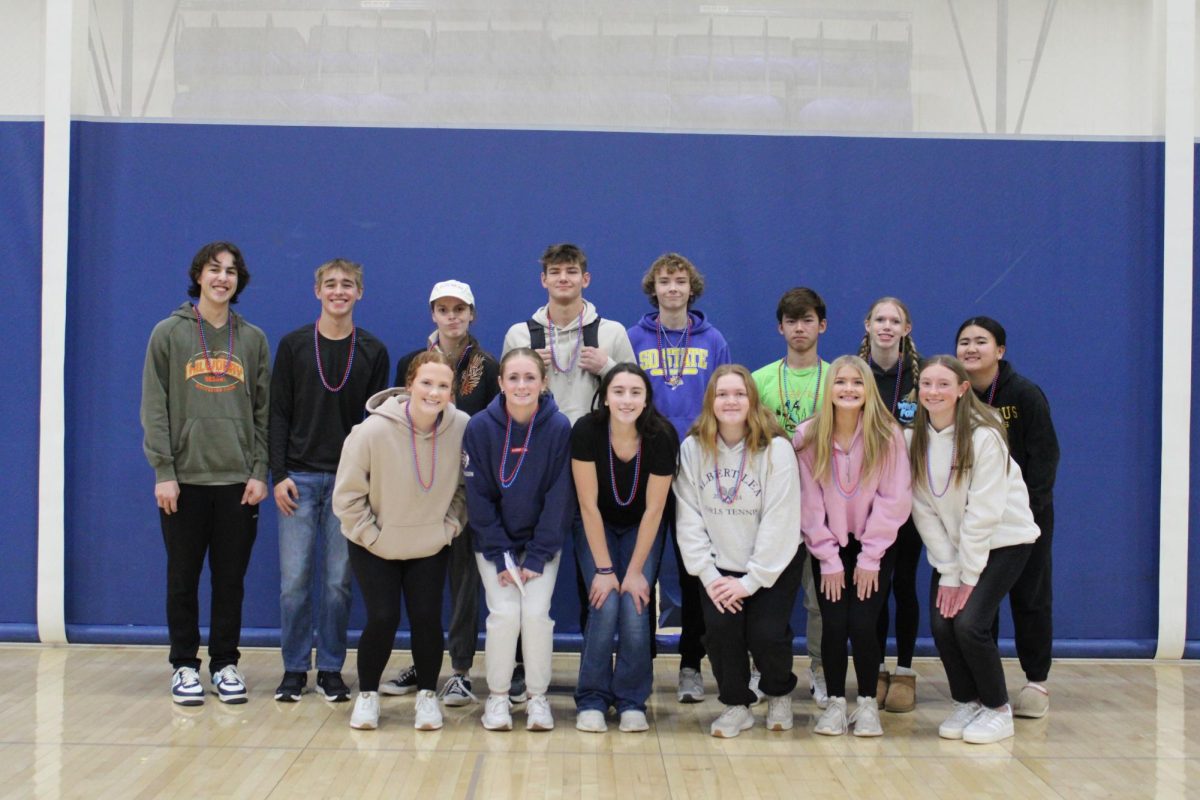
[
  {"x": 853, "y": 619},
  {"x": 904, "y": 589},
  {"x": 420, "y": 581}
]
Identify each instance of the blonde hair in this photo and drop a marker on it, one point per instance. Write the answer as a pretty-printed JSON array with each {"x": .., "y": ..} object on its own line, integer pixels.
[
  {"x": 969, "y": 413},
  {"x": 761, "y": 426},
  {"x": 351, "y": 268},
  {"x": 908, "y": 347},
  {"x": 878, "y": 426}
]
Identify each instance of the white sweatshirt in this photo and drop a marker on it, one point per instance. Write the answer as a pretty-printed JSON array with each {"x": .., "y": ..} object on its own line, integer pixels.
[
  {"x": 987, "y": 511},
  {"x": 574, "y": 389},
  {"x": 758, "y": 533}
]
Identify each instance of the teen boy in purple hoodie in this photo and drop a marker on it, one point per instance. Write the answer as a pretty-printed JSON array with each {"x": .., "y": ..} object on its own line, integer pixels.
[{"x": 679, "y": 348}]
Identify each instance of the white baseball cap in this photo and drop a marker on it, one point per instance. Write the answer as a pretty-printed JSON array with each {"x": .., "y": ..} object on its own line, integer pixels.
[{"x": 455, "y": 289}]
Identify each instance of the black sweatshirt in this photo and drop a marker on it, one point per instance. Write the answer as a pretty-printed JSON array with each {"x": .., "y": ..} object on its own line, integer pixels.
[
  {"x": 309, "y": 422},
  {"x": 1031, "y": 438},
  {"x": 903, "y": 408},
  {"x": 477, "y": 377}
]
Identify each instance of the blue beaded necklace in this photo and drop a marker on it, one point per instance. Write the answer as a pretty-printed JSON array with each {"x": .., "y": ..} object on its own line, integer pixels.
[{"x": 507, "y": 482}]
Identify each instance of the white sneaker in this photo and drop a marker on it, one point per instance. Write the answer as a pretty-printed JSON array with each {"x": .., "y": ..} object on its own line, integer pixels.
[
  {"x": 634, "y": 721},
  {"x": 755, "y": 679},
  {"x": 691, "y": 686},
  {"x": 366, "y": 712},
  {"x": 833, "y": 720},
  {"x": 229, "y": 686},
  {"x": 816, "y": 686},
  {"x": 186, "y": 689},
  {"x": 1033, "y": 702},
  {"x": 733, "y": 720},
  {"x": 429, "y": 711},
  {"x": 779, "y": 713},
  {"x": 959, "y": 719},
  {"x": 590, "y": 721},
  {"x": 990, "y": 725},
  {"x": 866, "y": 718},
  {"x": 497, "y": 713},
  {"x": 537, "y": 714}
]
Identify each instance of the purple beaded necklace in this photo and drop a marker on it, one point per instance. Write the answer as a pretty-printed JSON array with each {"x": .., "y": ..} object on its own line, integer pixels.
[
  {"x": 729, "y": 499},
  {"x": 899, "y": 376},
  {"x": 349, "y": 362},
  {"x": 612, "y": 472},
  {"x": 995, "y": 383},
  {"x": 412, "y": 430},
  {"x": 682, "y": 345},
  {"x": 554, "y": 342},
  {"x": 785, "y": 399},
  {"x": 507, "y": 482},
  {"x": 949, "y": 472}
]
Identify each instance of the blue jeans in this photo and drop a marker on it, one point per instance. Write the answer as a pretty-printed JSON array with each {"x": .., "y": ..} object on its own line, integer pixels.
[
  {"x": 313, "y": 529},
  {"x": 628, "y": 684}
]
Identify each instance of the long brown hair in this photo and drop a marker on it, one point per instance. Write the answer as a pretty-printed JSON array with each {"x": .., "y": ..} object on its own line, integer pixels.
[
  {"x": 761, "y": 426},
  {"x": 969, "y": 413},
  {"x": 878, "y": 426},
  {"x": 908, "y": 348}
]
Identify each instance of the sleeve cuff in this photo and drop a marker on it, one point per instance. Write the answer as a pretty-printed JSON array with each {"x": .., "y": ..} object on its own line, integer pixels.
[
  {"x": 533, "y": 563},
  {"x": 751, "y": 583},
  {"x": 709, "y": 574},
  {"x": 950, "y": 579},
  {"x": 166, "y": 473},
  {"x": 866, "y": 562}
]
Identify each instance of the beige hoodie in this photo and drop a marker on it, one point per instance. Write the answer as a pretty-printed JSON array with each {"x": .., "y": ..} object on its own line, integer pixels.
[{"x": 376, "y": 494}]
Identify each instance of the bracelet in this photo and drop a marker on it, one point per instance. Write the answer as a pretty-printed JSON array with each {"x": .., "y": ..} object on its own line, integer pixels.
[{"x": 605, "y": 570}]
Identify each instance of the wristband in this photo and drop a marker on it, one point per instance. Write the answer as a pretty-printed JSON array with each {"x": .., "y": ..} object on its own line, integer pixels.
[{"x": 605, "y": 570}]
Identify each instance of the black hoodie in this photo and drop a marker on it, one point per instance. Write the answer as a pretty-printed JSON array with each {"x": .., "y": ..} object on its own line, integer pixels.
[{"x": 1031, "y": 438}]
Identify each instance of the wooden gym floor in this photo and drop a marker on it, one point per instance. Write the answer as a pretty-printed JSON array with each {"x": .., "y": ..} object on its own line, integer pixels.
[{"x": 97, "y": 722}]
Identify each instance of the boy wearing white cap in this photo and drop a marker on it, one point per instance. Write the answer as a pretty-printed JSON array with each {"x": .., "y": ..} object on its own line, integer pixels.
[{"x": 476, "y": 382}]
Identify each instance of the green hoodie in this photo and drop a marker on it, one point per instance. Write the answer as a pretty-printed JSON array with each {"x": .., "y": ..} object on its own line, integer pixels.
[{"x": 205, "y": 420}]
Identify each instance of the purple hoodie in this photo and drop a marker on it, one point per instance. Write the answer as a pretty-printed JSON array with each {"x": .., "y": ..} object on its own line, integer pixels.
[
  {"x": 534, "y": 512},
  {"x": 706, "y": 350}
]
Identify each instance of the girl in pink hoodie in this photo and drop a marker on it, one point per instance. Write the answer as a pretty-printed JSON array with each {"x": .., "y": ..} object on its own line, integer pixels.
[{"x": 855, "y": 493}]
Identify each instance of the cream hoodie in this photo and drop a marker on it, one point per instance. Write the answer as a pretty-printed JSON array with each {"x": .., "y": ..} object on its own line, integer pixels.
[
  {"x": 987, "y": 511},
  {"x": 376, "y": 494}
]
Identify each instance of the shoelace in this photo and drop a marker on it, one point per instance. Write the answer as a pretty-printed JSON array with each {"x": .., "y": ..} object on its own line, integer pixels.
[{"x": 456, "y": 683}]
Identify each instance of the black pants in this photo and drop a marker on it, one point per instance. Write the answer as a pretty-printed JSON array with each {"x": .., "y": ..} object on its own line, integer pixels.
[
  {"x": 691, "y": 622},
  {"x": 904, "y": 589},
  {"x": 965, "y": 642},
  {"x": 853, "y": 619},
  {"x": 420, "y": 581},
  {"x": 763, "y": 627},
  {"x": 1031, "y": 600},
  {"x": 209, "y": 520}
]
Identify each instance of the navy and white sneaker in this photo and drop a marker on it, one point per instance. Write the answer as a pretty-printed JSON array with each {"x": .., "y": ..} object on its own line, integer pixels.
[
  {"x": 292, "y": 687},
  {"x": 229, "y": 686},
  {"x": 332, "y": 687},
  {"x": 186, "y": 689}
]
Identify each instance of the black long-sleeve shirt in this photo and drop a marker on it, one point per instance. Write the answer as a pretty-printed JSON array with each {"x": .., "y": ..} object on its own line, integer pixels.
[
  {"x": 1031, "y": 438},
  {"x": 309, "y": 422}
]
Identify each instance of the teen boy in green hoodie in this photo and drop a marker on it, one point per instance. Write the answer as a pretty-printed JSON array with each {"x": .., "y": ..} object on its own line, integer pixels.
[{"x": 204, "y": 413}]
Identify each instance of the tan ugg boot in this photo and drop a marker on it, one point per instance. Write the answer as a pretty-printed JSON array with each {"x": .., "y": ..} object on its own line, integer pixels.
[{"x": 902, "y": 694}]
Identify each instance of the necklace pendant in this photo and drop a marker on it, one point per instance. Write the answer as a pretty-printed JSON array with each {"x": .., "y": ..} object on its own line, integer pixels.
[{"x": 674, "y": 381}]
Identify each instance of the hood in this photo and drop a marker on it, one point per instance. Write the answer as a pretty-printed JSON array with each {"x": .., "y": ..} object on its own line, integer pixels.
[
  {"x": 390, "y": 404},
  {"x": 498, "y": 415},
  {"x": 589, "y": 316},
  {"x": 185, "y": 311},
  {"x": 700, "y": 322}
]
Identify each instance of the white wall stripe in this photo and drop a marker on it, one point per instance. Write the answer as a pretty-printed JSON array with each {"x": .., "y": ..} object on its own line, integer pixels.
[
  {"x": 1178, "y": 179},
  {"x": 56, "y": 178}
]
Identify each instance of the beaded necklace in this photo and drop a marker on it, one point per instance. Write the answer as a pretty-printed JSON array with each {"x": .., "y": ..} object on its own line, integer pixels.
[
  {"x": 682, "y": 345},
  {"x": 554, "y": 342},
  {"x": 612, "y": 472},
  {"x": 949, "y": 472},
  {"x": 785, "y": 399},
  {"x": 995, "y": 384},
  {"x": 837, "y": 480},
  {"x": 412, "y": 430},
  {"x": 507, "y": 482},
  {"x": 728, "y": 499},
  {"x": 349, "y": 362},
  {"x": 437, "y": 345},
  {"x": 204, "y": 345},
  {"x": 899, "y": 376}
]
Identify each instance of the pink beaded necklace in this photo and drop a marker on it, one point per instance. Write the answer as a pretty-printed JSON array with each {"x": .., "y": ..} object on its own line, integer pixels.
[
  {"x": 949, "y": 472},
  {"x": 681, "y": 348},
  {"x": 412, "y": 431},
  {"x": 837, "y": 479},
  {"x": 349, "y": 361},
  {"x": 785, "y": 399},
  {"x": 204, "y": 345},
  {"x": 507, "y": 482},
  {"x": 729, "y": 499}
]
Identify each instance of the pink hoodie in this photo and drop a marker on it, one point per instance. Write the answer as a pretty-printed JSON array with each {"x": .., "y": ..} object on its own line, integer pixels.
[{"x": 873, "y": 512}]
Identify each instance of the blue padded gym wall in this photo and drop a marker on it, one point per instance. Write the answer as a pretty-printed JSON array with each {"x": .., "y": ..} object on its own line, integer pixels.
[
  {"x": 20, "y": 330},
  {"x": 1060, "y": 240}
]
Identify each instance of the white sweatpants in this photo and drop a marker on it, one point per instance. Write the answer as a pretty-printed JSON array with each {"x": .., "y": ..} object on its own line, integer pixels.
[{"x": 511, "y": 615}]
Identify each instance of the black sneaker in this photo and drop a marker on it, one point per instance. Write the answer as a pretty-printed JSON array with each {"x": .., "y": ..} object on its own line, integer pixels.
[
  {"x": 332, "y": 687},
  {"x": 516, "y": 689},
  {"x": 402, "y": 684},
  {"x": 291, "y": 687}
]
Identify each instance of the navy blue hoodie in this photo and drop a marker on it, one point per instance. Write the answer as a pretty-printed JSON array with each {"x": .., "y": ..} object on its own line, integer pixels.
[{"x": 534, "y": 512}]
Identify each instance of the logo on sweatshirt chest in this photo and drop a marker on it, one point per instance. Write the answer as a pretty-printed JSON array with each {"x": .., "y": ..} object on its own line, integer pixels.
[{"x": 219, "y": 372}]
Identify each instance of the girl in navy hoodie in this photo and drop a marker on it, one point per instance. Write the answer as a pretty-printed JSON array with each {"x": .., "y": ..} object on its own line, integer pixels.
[{"x": 520, "y": 503}]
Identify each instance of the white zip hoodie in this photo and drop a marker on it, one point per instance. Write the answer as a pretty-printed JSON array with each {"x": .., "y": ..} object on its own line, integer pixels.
[
  {"x": 987, "y": 511},
  {"x": 758, "y": 533}
]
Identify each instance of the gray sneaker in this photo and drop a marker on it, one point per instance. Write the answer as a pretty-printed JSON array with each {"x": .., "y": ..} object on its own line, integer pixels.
[
  {"x": 691, "y": 686},
  {"x": 779, "y": 713},
  {"x": 733, "y": 720}
]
